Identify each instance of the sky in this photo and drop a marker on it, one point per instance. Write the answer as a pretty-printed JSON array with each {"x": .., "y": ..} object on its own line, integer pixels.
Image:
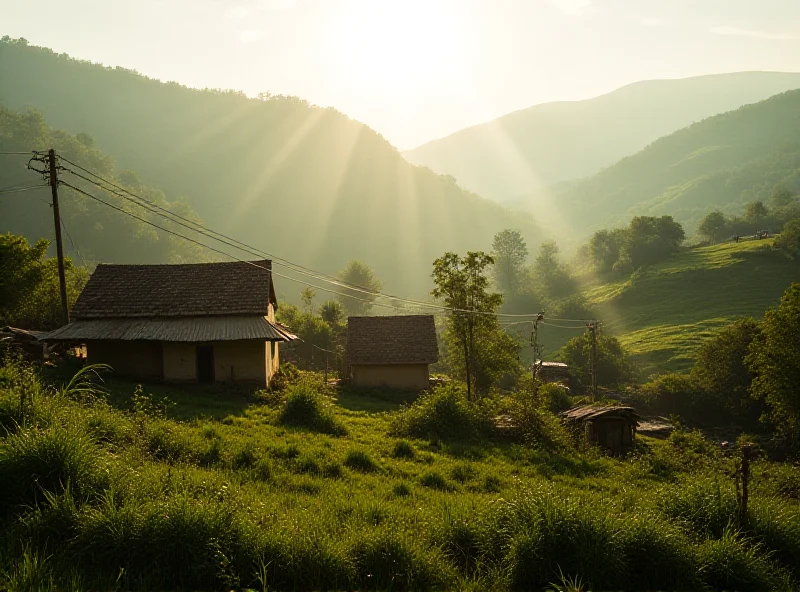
[{"x": 417, "y": 70}]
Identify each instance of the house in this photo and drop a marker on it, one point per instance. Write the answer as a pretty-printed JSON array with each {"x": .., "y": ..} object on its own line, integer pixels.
[
  {"x": 611, "y": 428},
  {"x": 391, "y": 351},
  {"x": 552, "y": 372},
  {"x": 205, "y": 322}
]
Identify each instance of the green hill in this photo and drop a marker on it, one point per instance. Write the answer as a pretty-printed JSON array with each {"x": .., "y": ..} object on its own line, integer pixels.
[
  {"x": 719, "y": 163},
  {"x": 300, "y": 181},
  {"x": 528, "y": 150},
  {"x": 661, "y": 315}
]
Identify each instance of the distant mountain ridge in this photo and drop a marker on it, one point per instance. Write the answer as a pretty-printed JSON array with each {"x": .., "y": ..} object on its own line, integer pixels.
[
  {"x": 528, "y": 150},
  {"x": 304, "y": 182},
  {"x": 719, "y": 163}
]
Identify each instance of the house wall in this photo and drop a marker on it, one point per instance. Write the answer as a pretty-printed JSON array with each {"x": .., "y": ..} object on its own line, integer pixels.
[
  {"x": 136, "y": 359},
  {"x": 241, "y": 360},
  {"x": 404, "y": 376},
  {"x": 180, "y": 361}
]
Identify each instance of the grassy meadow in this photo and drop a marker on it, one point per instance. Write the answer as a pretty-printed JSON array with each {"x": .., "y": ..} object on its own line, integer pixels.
[
  {"x": 662, "y": 314},
  {"x": 317, "y": 487}
]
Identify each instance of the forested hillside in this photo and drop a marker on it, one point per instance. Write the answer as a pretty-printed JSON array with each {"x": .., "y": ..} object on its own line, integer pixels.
[
  {"x": 525, "y": 151},
  {"x": 304, "y": 182},
  {"x": 94, "y": 232},
  {"x": 719, "y": 163}
]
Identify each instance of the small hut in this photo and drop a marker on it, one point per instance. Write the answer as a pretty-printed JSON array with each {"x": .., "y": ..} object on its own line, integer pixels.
[
  {"x": 552, "y": 372},
  {"x": 611, "y": 428}
]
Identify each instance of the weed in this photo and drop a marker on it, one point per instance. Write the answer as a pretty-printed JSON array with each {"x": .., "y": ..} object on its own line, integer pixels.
[
  {"x": 403, "y": 449},
  {"x": 359, "y": 460},
  {"x": 434, "y": 480},
  {"x": 305, "y": 408}
]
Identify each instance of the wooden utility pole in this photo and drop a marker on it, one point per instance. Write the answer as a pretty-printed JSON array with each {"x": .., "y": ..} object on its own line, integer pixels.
[
  {"x": 593, "y": 332},
  {"x": 62, "y": 280}
]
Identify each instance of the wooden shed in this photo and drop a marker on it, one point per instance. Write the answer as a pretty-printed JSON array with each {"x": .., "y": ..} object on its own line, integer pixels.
[
  {"x": 611, "y": 428},
  {"x": 206, "y": 322},
  {"x": 391, "y": 351}
]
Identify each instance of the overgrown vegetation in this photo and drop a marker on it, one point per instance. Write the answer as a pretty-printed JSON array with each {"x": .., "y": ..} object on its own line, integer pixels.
[{"x": 97, "y": 494}]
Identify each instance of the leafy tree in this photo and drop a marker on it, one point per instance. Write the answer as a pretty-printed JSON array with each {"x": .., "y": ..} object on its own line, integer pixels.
[
  {"x": 553, "y": 277},
  {"x": 755, "y": 211},
  {"x": 359, "y": 275},
  {"x": 605, "y": 247},
  {"x": 29, "y": 288},
  {"x": 613, "y": 367},
  {"x": 789, "y": 238},
  {"x": 462, "y": 285},
  {"x": 774, "y": 361},
  {"x": 714, "y": 226},
  {"x": 650, "y": 239},
  {"x": 332, "y": 312},
  {"x": 510, "y": 252},
  {"x": 720, "y": 369},
  {"x": 307, "y": 295}
]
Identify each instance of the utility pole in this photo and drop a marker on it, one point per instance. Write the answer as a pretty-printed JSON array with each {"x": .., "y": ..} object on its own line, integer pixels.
[
  {"x": 593, "y": 333},
  {"x": 62, "y": 280},
  {"x": 535, "y": 344}
]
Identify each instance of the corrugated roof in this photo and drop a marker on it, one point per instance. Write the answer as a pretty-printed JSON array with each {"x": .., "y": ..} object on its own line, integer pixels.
[
  {"x": 116, "y": 291},
  {"x": 186, "y": 329},
  {"x": 588, "y": 412},
  {"x": 408, "y": 339}
]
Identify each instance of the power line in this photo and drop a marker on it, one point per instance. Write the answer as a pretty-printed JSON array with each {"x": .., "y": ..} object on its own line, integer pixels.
[
  {"x": 18, "y": 153},
  {"x": 87, "y": 194},
  {"x": 10, "y": 190},
  {"x": 562, "y": 326},
  {"x": 64, "y": 226},
  {"x": 201, "y": 229}
]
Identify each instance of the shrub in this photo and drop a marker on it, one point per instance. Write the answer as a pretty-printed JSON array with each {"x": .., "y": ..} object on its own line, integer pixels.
[
  {"x": 33, "y": 461},
  {"x": 358, "y": 460},
  {"x": 403, "y": 449},
  {"x": 679, "y": 394},
  {"x": 434, "y": 480},
  {"x": 555, "y": 397},
  {"x": 443, "y": 413},
  {"x": 306, "y": 408},
  {"x": 535, "y": 426},
  {"x": 287, "y": 375}
]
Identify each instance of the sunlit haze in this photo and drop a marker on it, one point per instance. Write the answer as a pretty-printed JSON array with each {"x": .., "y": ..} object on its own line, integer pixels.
[{"x": 416, "y": 70}]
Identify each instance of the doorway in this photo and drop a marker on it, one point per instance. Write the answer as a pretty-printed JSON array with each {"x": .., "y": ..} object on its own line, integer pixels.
[{"x": 205, "y": 363}]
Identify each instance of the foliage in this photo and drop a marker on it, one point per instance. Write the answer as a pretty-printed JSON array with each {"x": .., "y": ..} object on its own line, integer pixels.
[
  {"x": 613, "y": 367},
  {"x": 312, "y": 330},
  {"x": 720, "y": 369},
  {"x": 533, "y": 421},
  {"x": 461, "y": 284},
  {"x": 306, "y": 408},
  {"x": 714, "y": 226},
  {"x": 443, "y": 413},
  {"x": 774, "y": 361},
  {"x": 789, "y": 238},
  {"x": 681, "y": 395},
  {"x": 332, "y": 312},
  {"x": 30, "y": 296},
  {"x": 358, "y": 302},
  {"x": 645, "y": 241},
  {"x": 510, "y": 252},
  {"x": 552, "y": 277}
]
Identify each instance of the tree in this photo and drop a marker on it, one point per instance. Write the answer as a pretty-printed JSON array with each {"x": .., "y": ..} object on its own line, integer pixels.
[
  {"x": 612, "y": 363},
  {"x": 510, "y": 252},
  {"x": 462, "y": 285},
  {"x": 774, "y": 360},
  {"x": 721, "y": 371},
  {"x": 358, "y": 302},
  {"x": 332, "y": 312},
  {"x": 755, "y": 211},
  {"x": 550, "y": 273},
  {"x": 789, "y": 238},
  {"x": 714, "y": 227},
  {"x": 605, "y": 247},
  {"x": 307, "y": 295},
  {"x": 650, "y": 240},
  {"x": 29, "y": 286}
]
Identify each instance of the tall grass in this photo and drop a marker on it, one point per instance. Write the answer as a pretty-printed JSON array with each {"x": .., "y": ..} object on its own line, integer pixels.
[
  {"x": 443, "y": 413},
  {"x": 306, "y": 408}
]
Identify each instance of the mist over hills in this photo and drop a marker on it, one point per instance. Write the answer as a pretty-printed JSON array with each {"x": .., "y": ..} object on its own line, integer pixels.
[
  {"x": 303, "y": 182},
  {"x": 526, "y": 151}
]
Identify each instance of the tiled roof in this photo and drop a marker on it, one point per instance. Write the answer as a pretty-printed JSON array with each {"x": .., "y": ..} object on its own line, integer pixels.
[
  {"x": 407, "y": 339},
  {"x": 590, "y": 412},
  {"x": 199, "y": 289},
  {"x": 184, "y": 329}
]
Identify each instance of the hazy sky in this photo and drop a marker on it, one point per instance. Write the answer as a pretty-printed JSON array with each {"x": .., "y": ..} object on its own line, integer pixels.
[{"x": 416, "y": 70}]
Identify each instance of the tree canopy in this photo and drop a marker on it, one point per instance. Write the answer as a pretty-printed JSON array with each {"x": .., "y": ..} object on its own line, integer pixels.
[
  {"x": 510, "y": 253},
  {"x": 358, "y": 302}
]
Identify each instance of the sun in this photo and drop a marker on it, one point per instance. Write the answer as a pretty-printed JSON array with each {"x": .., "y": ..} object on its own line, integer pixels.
[{"x": 400, "y": 48}]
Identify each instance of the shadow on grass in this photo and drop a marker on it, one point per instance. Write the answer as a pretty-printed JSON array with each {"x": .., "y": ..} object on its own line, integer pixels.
[{"x": 373, "y": 400}]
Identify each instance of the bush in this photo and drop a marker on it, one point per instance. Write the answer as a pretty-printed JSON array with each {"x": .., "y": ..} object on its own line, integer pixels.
[
  {"x": 555, "y": 397},
  {"x": 403, "y": 449},
  {"x": 443, "y": 413},
  {"x": 36, "y": 461},
  {"x": 535, "y": 426},
  {"x": 358, "y": 460},
  {"x": 679, "y": 394},
  {"x": 306, "y": 408}
]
